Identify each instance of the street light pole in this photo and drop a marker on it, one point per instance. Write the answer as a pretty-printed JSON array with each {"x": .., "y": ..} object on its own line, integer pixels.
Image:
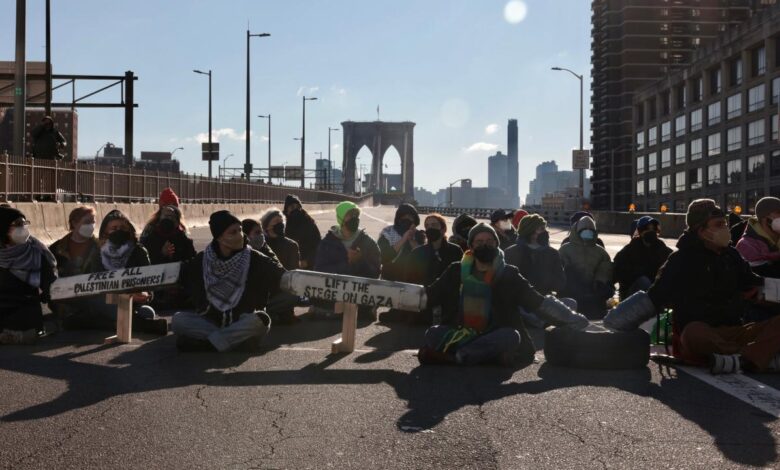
[
  {"x": 210, "y": 143},
  {"x": 303, "y": 142},
  {"x": 330, "y": 161},
  {"x": 580, "y": 78},
  {"x": 248, "y": 164},
  {"x": 454, "y": 183},
  {"x": 269, "y": 143}
]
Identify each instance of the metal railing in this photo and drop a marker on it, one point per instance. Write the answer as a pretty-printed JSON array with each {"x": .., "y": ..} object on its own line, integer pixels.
[
  {"x": 29, "y": 179},
  {"x": 557, "y": 217}
]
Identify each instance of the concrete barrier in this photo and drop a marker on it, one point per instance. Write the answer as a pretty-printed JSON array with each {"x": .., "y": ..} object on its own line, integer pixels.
[{"x": 672, "y": 225}]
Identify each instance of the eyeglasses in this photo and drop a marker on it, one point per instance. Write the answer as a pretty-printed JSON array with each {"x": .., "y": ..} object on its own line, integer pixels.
[{"x": 20, "y": 223}]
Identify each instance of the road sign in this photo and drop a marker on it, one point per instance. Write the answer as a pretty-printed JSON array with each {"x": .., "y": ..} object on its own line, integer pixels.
[
  {"x": 580, "y": 159},
  {"x": 120, "y": 280},
  {"x": 204, "y": 148},
  {"x": 277, "y": 172},
  {"x": 293, "y": 172}
]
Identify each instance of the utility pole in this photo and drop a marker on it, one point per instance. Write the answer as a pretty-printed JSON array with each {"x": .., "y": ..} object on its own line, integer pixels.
[
  {"x": 20, "y": 80},
  {"x": 248, "y": 164},
  {"x": 330, "y": 161}
]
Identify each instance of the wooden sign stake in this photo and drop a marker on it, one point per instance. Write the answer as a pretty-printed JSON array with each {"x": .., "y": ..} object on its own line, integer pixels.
[
  {"x": 346, "y": 344},
  {"x": 124, "y": 318}
]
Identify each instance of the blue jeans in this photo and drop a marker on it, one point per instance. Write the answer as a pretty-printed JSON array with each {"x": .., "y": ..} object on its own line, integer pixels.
[{"x": 487, "y": 347}]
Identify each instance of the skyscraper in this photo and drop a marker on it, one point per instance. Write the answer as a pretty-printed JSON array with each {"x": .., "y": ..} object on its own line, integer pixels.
[
  {"x": 513, "y": 169},
  {"x": 636, "y": 42}
]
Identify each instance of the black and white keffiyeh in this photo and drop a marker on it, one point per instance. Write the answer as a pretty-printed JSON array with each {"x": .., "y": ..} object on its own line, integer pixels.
[
  {"x": 24, "y": 261},
  {"x": 391, "y": 235},
  {"x": 225, "y": 279},
  {"x": 115, "y": 257}
]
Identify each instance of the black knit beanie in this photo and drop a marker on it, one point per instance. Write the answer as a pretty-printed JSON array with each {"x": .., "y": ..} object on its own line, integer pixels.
[{"x": 220, "y": 221}]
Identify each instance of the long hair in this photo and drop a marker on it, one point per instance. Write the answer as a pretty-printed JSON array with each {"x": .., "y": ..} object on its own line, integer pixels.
[{"x": 155, "y": 218}]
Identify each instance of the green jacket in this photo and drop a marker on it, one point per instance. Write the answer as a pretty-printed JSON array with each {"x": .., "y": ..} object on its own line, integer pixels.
[{"x": 588, "y": 262}]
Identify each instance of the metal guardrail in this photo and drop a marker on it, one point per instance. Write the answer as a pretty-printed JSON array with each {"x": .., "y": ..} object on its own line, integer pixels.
[
  {"x": 28, "y": 179},
  {"x": 553, "y": 216}
]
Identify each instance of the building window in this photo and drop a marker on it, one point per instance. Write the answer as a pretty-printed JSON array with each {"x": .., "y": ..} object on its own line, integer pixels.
[
  {"x": 666, "y": 158},
  {"x": 666, "y": 131},
  {"x": 733, "y": 200},
  {"x": 755, "y": 167},
  {"x": 652, "y": 136},
  {"x": 775, "y": 89},
  {"x": 682, "y": 97},
  {"x": 640, "y": 165},
  {"x": 666, "y": 184},
  {"x": 679, "y": 126},
  {"x": 695, "y": 121},
  {"x": 735, "y": 72},
  {"x": 713, "y": 145},
  {"x": 756, "y": 97},
  {"x": 734, "y": 139},
  {"x": 753, "y": 195},
  {"x": 733, "y": 171},
  {"x": 713, "y": 175},
  {"x": 652, "y": 187},
  {"x": 640, "y": 140},
  {"x": 640, "y": 188},
  {"x": 734, "y": 106},
  {"x": 679, "y": 154},
  {"x": 773, "y": 123},
  {"x": 698, "y": 85},
  {"x": 758, "y": 60},
  {"x": 715, "y": 81},
  {"x": 695, "y": 149},
  {"x": 695, "y": 178},
  {"x": 756, "y": 132},
  {"x": 713, "y": 113},
  {"x": 652, "y": 161},
  {"x": 679, "y": 181},
  {"x": 775, "y": 164}
]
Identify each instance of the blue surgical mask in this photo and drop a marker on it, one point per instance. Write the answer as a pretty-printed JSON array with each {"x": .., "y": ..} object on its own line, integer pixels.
[{"x": 587, "y": 234}]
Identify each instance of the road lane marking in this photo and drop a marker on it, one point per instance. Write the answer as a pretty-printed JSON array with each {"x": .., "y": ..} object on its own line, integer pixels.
[{"x": 742, "y": 387}]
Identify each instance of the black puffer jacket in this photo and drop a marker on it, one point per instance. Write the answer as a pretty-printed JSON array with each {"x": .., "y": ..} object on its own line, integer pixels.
[
  {"x": 542, "y": 266},
  {"x": 332, "y": 256},
  {"x": 154, "y": 240},
  {"x": 20, "y": 303},
  {"x": 636, "y": 260},
  {"x": 302, "y": 228},
  {"x": 702, "y": 285},
  {"x": 286, "y": 251}
]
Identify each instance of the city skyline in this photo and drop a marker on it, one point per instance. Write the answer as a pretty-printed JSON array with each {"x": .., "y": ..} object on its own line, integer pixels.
[{"x": 457, "y": 69}]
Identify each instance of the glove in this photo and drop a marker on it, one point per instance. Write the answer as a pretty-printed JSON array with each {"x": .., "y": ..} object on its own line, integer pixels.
[
  {"x": 557, "y": 313},
  {"x": 630, "y": 313}
]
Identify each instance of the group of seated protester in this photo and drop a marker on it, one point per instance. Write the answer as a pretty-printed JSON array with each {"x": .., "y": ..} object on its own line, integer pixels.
[{"x": 485, "y": 284}]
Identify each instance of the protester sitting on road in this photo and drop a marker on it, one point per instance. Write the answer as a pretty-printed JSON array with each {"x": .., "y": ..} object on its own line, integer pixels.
[
  {"x": 428, "y": 262},
  {"x": 709, "y": 286},
  {"x": 27, "y": 270},
  {"x": 500, "y": 220},
  {"x": 48, "y": 142},
  {"x": 588, "y": 269},
  {"x": 460, "y": 230},
  {"x": 637, "y": 263},
  {"x": 760, "y": 244},
  {"x": 167, "y": 241},
  {"x": 286, "y": 249},
  {"x": 78, "y": 252},
  {"x": 229, "y": 284},
  {"x": 517, "y": 217},
  {"x": 576, "y": 218},
  {"x": 119, "y": 249},
  {"x": 303, "y": 229},
  {"x": 347, "y": 249},
  {"x": 479, "y": 297},
  {"x": 397, "y": 241}
]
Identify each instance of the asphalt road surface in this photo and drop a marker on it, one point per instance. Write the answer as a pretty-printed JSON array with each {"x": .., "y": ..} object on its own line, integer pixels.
[{"x": 71, "y": 402}]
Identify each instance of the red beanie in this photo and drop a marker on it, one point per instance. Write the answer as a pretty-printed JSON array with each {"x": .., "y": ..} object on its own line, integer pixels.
[
  {"x": 168, "y": 198},
  {"x": 519, "y": 214}
]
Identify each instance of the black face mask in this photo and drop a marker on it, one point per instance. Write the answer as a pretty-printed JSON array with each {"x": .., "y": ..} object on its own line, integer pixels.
[
  {"x": 352, "y": 224},
  {"x": 649, "y": 237},
  {"x": 433, "y": 234},
  {"x": 278, "y": 229},
  {"x": 543, "y": 238},
  {"x": 485, "y": 254},
  {"x": 167, "y": 225},
  {"x": 403, "y": 226},
  {"x": 119, "y": 237}
]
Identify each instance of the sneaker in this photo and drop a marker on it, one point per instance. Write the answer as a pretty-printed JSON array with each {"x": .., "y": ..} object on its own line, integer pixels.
[
  {"x": 187, "y": 344},
  {"x": 428, "y": 356},
  {"x": 725, "y": 364},
  {"x": 18, "y": 336}
]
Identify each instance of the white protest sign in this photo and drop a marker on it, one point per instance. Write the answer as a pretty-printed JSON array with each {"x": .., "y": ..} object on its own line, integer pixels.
[
  {"x": 355, "y": 290},
  {"x": 772, "y": 289},
  {"x": 120, "y": 280}
]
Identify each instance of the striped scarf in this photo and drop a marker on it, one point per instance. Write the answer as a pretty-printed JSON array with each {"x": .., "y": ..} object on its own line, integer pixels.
[{"x": 476, "y": 295}]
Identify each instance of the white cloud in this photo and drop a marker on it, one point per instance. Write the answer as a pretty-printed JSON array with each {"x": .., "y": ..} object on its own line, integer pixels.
[
  {"x": 335, "y": 146},
  {"x": 491, "y": 129},
  {"x": 216, "y": 134},
  {"x": 307, "y": 90},
  {"x": 264, "y": 138},
  {"x": 515, "y": 11},
  {"x": 482, "y": 147}
]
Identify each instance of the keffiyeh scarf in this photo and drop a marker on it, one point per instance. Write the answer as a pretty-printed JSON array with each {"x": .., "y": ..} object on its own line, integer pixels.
[
  {"x": 225, "y": 279},
  {"x": 115, "y": 257},
  {"x": 24, "y": 261}
]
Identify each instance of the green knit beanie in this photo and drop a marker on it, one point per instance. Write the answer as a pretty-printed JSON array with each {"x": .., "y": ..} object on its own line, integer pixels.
[
  {"x": 529, "y": 224},
  {"x": 342, "y": 209}
]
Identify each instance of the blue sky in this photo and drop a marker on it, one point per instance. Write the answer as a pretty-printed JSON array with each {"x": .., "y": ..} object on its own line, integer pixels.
[{"x": 458, "y": 68}]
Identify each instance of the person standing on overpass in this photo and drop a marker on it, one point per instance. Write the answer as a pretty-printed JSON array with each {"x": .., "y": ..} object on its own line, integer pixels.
[
  {"x": 48, "y": 142},
  {"x": 303, "y": 229}
]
